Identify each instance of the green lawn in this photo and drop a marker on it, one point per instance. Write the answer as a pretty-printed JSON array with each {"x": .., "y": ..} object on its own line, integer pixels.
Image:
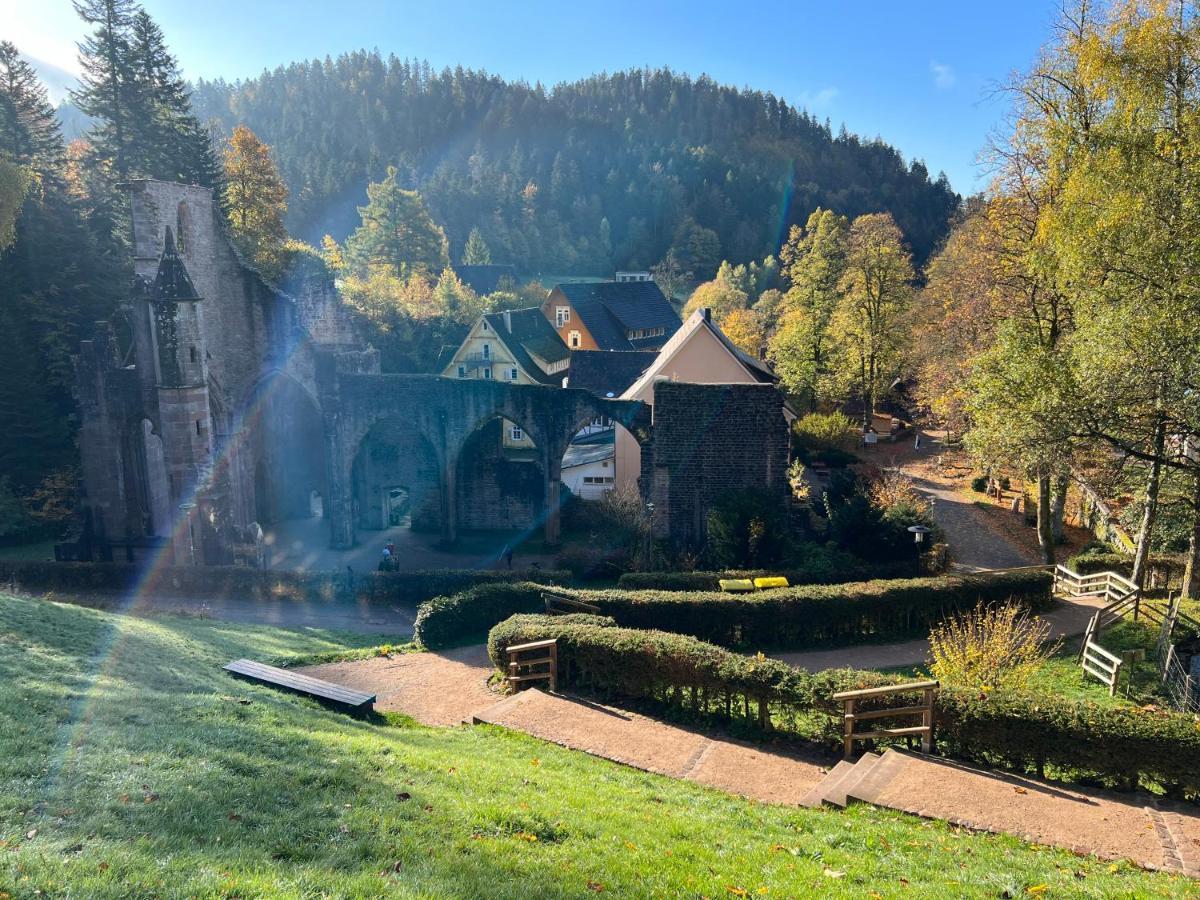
[{"x": 131, "y": 766}]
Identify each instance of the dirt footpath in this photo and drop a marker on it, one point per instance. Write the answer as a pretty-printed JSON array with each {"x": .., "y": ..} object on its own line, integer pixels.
[
  {"x": 759, "y": 772},
  {"x": 444, "y": 688}
]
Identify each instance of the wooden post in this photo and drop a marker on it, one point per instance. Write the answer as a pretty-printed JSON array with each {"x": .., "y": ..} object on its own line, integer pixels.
[
  {"x": 927, "y": 722},
  {"x": 553, "y": 667},
  {"x": 848, "y": 726}
]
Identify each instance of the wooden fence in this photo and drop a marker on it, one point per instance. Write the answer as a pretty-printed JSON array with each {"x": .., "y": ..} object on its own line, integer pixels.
[
  {"x": 851, "y": 715},
  {"x": 535, "y": 661}
]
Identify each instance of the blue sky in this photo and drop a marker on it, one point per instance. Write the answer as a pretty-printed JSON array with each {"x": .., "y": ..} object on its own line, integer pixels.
[{"x": 922, "y": 75}]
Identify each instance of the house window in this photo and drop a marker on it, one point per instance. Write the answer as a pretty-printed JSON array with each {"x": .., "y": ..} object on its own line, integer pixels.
[
  {"x": 512, "y": 374},
  {"x": 516, "y": 433},
  {"x": 487, "y": 373},
  {"x": 574, "y": 339},
  {"x": 192, "y": 353},
  {"x": 562, "y": 315},
  {"x": 487, "y": 351},
  {"x": 462, "y": 371},
  {"x": 485, "y": 325}
]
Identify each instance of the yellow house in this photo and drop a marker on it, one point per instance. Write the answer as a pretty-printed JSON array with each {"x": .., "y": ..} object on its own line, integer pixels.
[
  {"x": 517, "y": 346},
  {"x": 698, "y": 353}
]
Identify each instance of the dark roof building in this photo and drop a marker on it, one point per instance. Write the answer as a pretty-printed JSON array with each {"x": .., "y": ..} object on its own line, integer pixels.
[
  {"x": 486, "y": 279},
  {"x": 611, "y": 315},
  {"x": 517, "y": 345},
  {"x": 607, "y": 373}
]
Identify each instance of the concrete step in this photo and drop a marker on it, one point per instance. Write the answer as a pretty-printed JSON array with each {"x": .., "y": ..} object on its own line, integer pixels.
[
  {"x": 869, "y": 788},
  {"x": 837, "y": 794},
  {"x": 816, "y": 796}
]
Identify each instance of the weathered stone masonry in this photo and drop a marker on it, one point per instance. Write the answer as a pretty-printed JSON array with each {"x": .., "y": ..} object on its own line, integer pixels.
[{"x": 221, "y": 404}]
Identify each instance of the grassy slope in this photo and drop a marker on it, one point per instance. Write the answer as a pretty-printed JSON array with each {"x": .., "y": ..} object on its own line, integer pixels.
[{"x": 126, "y": 748}]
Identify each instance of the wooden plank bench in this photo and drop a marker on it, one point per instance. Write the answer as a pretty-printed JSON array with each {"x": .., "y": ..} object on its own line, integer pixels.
[{"x": 326, "y": 692}]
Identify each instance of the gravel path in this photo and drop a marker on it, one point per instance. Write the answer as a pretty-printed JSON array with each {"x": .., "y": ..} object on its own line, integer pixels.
[
  {"x": 1067, "y": 618},
  {"x": 444, "y": 688},
  {"x": 974, "y": 544}
]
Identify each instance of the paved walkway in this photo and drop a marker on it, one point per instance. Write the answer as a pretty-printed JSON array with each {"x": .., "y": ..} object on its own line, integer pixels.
[
  {"x": 451, "y": 687},
  {"x": 1083, "y": 820},
  {"x": 1068, "y": 618}
]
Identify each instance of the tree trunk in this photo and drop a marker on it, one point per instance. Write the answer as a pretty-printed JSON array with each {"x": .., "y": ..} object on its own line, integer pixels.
[
  {"x": 1191, "y": 572},
  {"x": 1058, "y": 508},
  {"x": 1045, "y": 528},
  {"x": 1150, "y": 510}
]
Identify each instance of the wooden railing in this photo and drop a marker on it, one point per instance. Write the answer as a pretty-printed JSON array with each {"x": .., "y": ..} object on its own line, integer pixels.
[
  {"x": 1109, "y": 585},
  {"x": 534, "y": 661},
  {"x": 1100, "y": 663},
  {"x": 558, "y": 605},
  {"x": 851, "y": 715}
]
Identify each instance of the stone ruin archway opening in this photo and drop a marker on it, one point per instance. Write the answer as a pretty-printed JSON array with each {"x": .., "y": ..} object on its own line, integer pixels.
[
  {"x": 500, "y": 490},
  {"x": 289, "y": 451},
  {"x": 396, "y": 481}
]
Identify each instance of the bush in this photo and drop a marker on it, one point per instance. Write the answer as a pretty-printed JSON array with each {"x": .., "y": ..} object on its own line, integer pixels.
[
  {"x": 1021, "y": 731},
  {"x": 990, "y": 648},
  {"x": 201, "y": 582},
  {"x": 979, "y": 484},
  {"x": 786, "y": 617},
  {"x": 822, "y": 566},
  {"x": 748, "y": 528},
  {"x": 826, "y": 431}
]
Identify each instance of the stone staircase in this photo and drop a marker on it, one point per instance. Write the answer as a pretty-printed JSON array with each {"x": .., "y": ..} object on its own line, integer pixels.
[{"x": 863, "y": 780}]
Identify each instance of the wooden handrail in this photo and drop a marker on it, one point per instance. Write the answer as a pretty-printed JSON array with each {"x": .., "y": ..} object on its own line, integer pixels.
[
  {"x": 850, "y": 715},
  {"x": 885, "y": 689}
]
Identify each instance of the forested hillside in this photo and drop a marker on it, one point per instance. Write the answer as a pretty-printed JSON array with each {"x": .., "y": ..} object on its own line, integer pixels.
[{"x": 612, "y": 171}]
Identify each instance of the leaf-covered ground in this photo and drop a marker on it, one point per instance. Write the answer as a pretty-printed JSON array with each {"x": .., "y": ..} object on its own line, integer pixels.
[{"x": 131, "y": 766}]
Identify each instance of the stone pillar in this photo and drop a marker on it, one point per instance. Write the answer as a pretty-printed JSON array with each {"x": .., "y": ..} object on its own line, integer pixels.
[
  {"x": 339, "y": 507},
  {"x": 552, "y": 466},
  {"x": 449, "y": 502}
]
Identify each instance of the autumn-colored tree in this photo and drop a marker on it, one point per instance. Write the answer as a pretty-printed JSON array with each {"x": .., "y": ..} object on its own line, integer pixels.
[
  {"x": 14, "y": 184},
  {"x": 255, "y": 201},
  {"x": 865, "y": 328},
  {"x": 745, "y": 330}
]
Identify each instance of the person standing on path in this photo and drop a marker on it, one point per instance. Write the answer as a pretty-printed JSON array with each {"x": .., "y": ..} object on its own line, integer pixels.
[{"x": 507, "y": 554}]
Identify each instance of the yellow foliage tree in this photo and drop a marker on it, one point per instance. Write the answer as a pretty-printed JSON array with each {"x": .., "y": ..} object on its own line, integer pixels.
[{"x": 255, "y": 201}]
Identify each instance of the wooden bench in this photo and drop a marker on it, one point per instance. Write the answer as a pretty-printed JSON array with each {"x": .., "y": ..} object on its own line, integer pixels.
[
  {"x": 326, "y": 692},
  {"x": 535, "y": 661}
]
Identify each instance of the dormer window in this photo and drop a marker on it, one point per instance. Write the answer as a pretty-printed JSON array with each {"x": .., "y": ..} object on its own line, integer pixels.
[
  {"x": 485, "y": 325},
  {"x": 562, "y": 315},
  {"x": 574, "y": 340}
]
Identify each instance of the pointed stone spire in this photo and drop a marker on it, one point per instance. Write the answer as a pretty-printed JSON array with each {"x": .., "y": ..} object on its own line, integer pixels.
[{"x": 172, "y": 284}]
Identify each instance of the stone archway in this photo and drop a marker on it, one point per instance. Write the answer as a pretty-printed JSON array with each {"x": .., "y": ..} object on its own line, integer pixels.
[
  {"x": 288, "y": 446},
  {"x": 446, "y": 412}
]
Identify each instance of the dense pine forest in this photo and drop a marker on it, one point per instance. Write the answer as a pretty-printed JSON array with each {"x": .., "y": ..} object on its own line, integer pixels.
[{"x": 611, "y": 171}]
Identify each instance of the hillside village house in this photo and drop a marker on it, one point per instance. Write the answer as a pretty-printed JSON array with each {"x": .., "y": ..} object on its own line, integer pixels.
[
  {"x": 698, "y": 353},
  {"x": 516, "y": 346},
  {"x": 611, "y": 315}
]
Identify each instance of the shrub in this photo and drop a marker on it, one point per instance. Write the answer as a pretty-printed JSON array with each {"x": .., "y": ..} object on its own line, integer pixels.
[
  {"x": 450, "y": 620},
  {"x": 201, "y": 582},
  {"x": 787, "y": 617},
  {"x": 990, "y": 647},
  {"x": 1006, "y": 483},
  {"x": 826, "y": 431},
  {"x": 979, "y": 484},
  {"x": 822, "y": 565},
  {"x": 1017, "y": 730},
  {"x": 748, "y": 528}
]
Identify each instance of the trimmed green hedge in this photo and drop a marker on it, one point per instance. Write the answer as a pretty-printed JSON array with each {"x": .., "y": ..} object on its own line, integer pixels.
[
  {"x": 708, "y": 581},
  {"x": 202, "y": 582},
  {"x": 1025, "y": 732},
  {"x": 802, "y": 616},
  {"x": 1163, "y": 568}
]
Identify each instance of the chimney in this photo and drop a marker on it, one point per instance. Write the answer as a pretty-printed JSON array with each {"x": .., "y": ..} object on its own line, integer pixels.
[
  {"x": 508, "y": 321},
  {"x": 707, "y": 314}
]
